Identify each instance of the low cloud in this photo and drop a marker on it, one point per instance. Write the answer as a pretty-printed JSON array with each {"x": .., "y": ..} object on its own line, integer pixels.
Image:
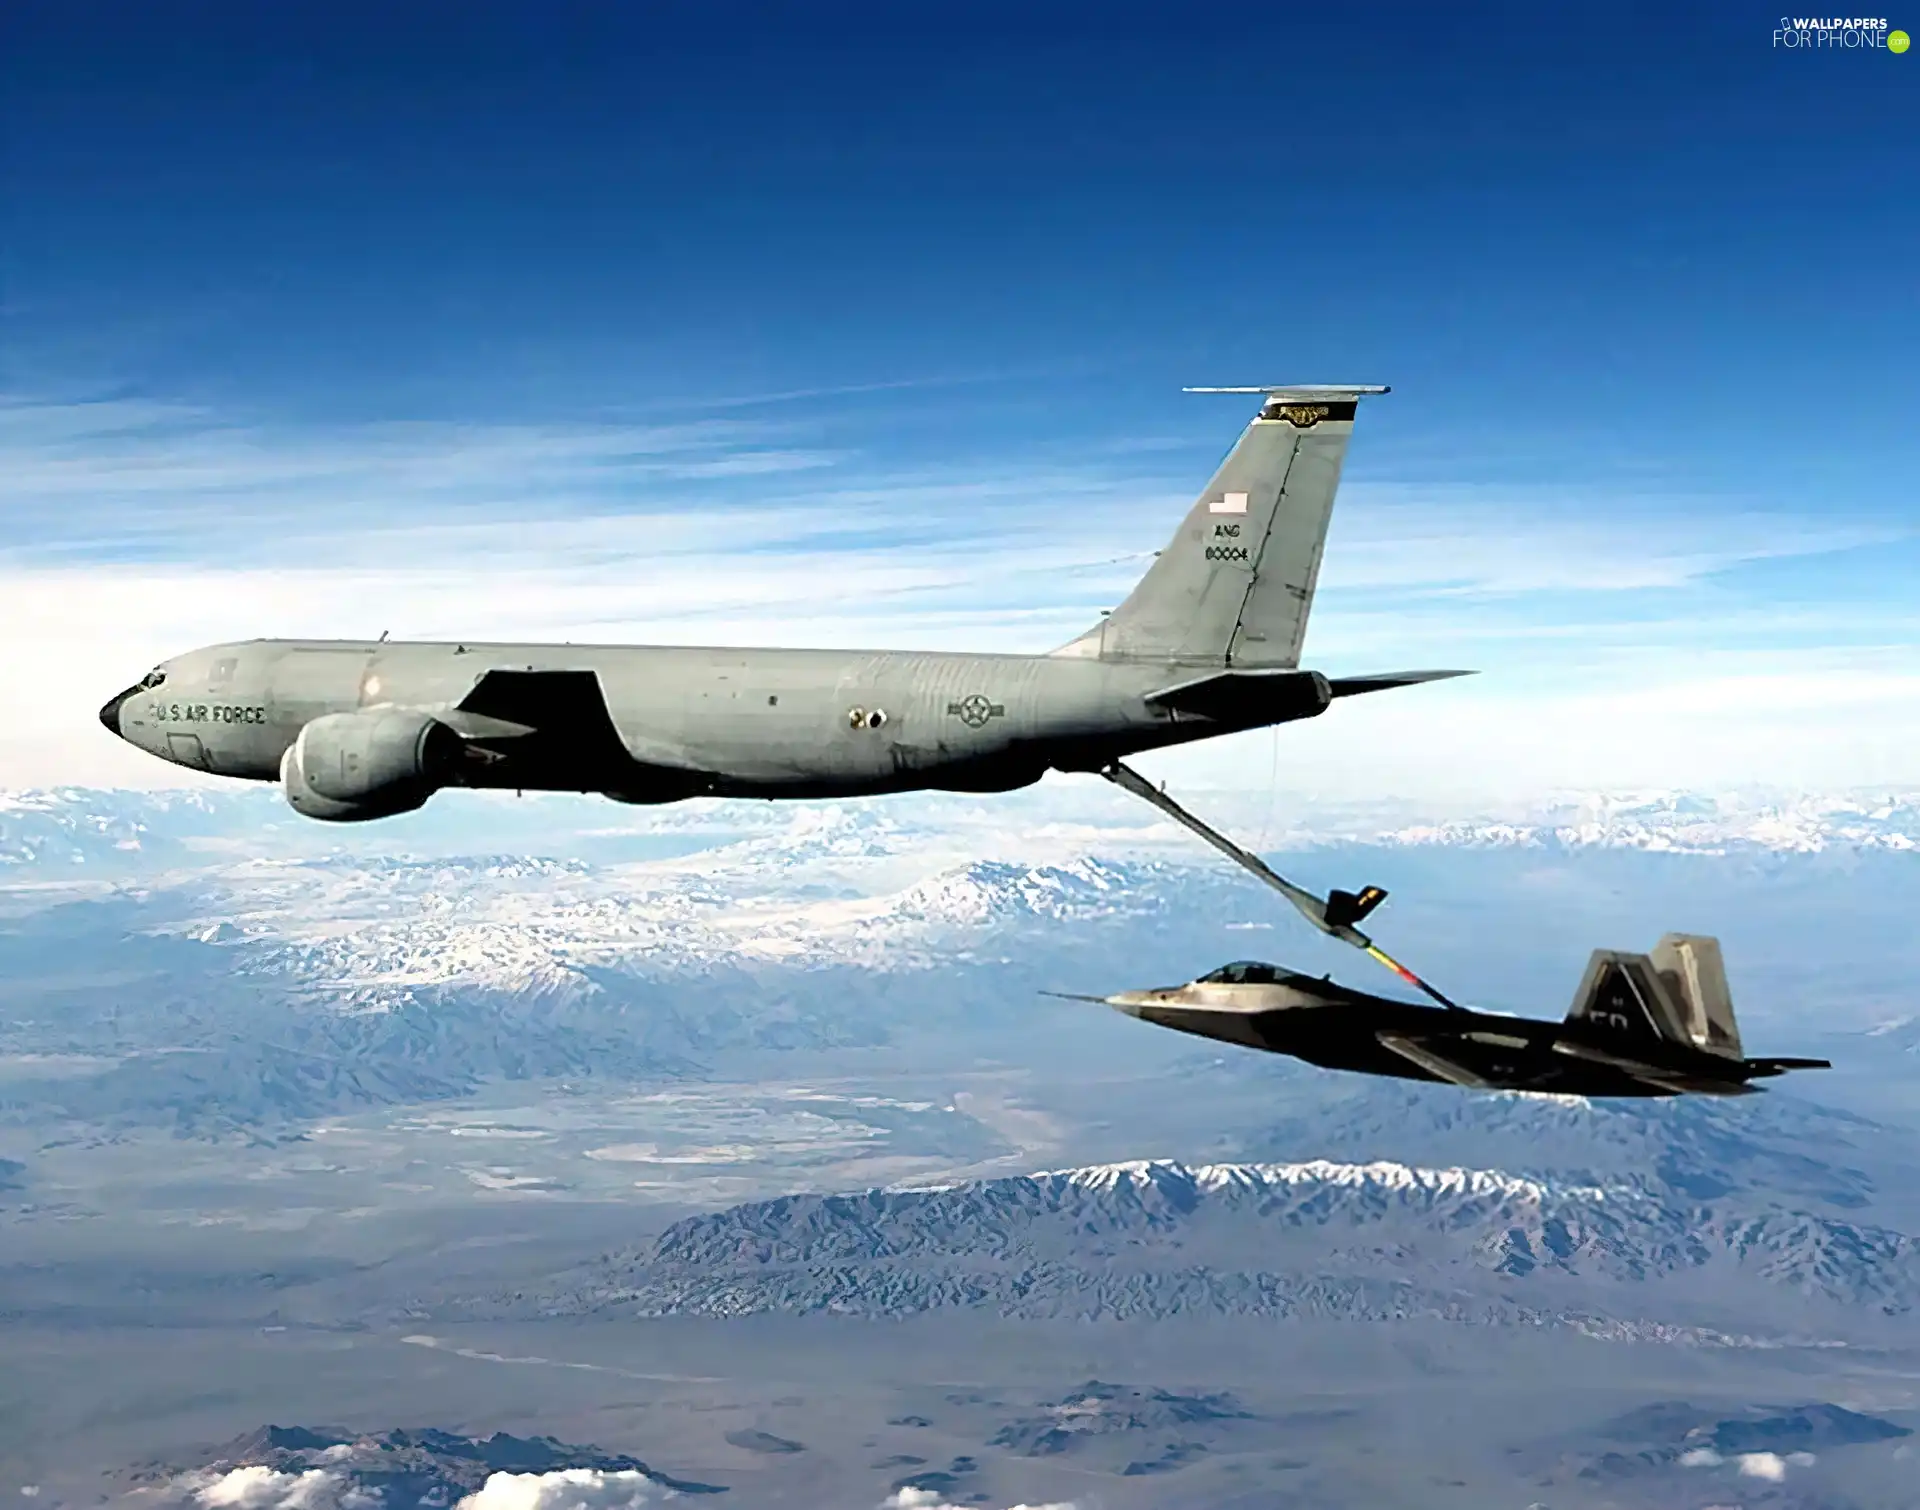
[
  {"x": 1770, "y": 1466},
  {"x": 927, "y": 1499},
  {"x": 568, "y": 1489},
  {"x": 257, "y": 1488},
  {"x": 1763, "y": 1465}
]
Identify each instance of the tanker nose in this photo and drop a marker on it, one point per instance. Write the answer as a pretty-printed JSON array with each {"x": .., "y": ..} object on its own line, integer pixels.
[{"x": 110, "y": 711}]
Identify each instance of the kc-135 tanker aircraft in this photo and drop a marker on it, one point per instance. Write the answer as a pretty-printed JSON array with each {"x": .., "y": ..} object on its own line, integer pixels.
[{"x": 1208, "y": 642}]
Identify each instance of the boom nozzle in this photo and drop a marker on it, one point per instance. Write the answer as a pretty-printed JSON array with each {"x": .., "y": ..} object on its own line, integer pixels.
[{"x": 1345, "y": 908}]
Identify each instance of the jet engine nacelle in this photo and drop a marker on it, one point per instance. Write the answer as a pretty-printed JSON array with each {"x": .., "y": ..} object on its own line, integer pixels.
[{"x": 349, "y": 767}]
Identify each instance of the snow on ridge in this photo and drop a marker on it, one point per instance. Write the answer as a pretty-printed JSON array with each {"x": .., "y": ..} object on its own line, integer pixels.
[
  {"x": 525, "y": 928},
  {"x": 812, "y": 834},
  {"x": 985, "y": 889},
  {"x": 1551, "y": 1098},
  {"x": 498, "y": 960},
  {"x": 1381, "y": 1175},
  {"x": 481, "y": 864}
]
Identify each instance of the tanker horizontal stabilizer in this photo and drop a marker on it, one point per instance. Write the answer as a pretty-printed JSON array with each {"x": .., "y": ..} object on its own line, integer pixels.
[
  {"x": 1258, "y": 698},
  {"x": 1386, "y": 681}
]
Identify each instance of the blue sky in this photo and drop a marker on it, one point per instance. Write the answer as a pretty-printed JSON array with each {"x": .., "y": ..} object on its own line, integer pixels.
[{"x": 862, "y": 325}]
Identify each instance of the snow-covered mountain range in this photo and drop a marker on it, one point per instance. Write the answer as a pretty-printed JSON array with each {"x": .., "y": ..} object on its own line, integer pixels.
[
  {"x": 301, "y": 1468},
  {"x": 547, "y": 936},
  {"x": 530, "y": 899},
  {"x": 1379, "y": 1241},
  {"x": 376, "y": 935}
]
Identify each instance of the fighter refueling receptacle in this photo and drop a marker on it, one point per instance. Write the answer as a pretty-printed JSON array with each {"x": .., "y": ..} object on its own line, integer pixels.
[
  {"x": 1207, "y": 643},
  {"x": 1658, "y": 1024}
]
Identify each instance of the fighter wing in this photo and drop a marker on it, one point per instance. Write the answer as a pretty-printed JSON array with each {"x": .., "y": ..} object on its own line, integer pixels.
[
  {"x": 1427, "y": 1054},
  {"x": 1482, "y": 1058}
]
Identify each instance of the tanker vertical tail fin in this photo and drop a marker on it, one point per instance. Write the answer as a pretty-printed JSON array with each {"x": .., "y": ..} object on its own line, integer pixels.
[{"x": 1235, "y": 584}]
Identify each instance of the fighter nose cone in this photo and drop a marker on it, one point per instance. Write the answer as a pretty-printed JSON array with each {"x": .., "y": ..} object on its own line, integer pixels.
[
  {"x": 1131, "y": 1002},
  {"x": 110, "y": 710}
]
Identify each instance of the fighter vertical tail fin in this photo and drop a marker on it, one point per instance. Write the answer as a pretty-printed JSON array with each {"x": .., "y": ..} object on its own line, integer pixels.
[
  {"x": 1234, "y": 586},
  {"x": 1678, "y": 994},
  {"x": 1697, "y": 976}
]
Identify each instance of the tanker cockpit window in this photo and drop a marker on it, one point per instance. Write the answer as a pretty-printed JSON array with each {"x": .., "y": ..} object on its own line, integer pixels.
[{"x": 153, "y": 678}]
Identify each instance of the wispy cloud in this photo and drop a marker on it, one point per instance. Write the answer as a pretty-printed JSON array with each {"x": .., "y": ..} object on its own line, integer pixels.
[
  {"x": 1481, "y": 541},
  {"x": 123, "y": 480},
  {"x": 140, "y": 480}
]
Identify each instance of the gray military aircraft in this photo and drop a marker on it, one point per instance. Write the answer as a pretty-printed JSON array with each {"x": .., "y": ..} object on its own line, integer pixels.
[
  {"x": 1658, "y": 1024},
  {"x": 1208, "y": 642}
]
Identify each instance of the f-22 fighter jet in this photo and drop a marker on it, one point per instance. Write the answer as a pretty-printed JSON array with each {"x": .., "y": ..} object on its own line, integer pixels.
[{"x": 1658, "y": 1024}]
